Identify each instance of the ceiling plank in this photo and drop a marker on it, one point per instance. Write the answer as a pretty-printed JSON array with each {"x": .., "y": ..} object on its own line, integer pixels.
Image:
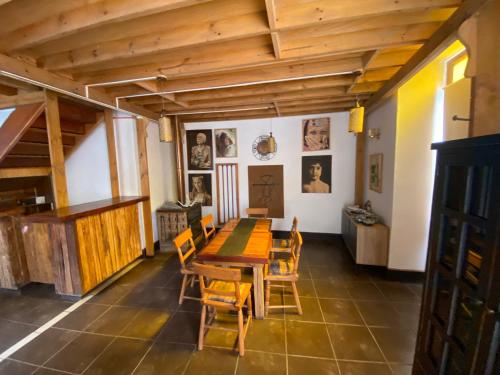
[
  {"x": 153, "y": 86},
  {"x": 87, "y": 16},
  {"x": 276, "y": 44},
  {"x": 190, "y": 35},
  {"x": 431, "y": 47},
  {"x": 24, "y": 172},
  {"x": 298, "y": 14}
]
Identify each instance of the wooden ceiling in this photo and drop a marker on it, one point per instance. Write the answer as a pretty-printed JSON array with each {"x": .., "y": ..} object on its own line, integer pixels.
[{"x": 219, "y": 59}]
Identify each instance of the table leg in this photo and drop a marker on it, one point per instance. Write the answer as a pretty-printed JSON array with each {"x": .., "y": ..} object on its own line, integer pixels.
[{"x": 258, "y": 291}]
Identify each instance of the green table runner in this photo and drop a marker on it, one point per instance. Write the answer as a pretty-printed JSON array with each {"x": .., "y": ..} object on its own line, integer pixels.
[{"x": 237, "y": 241}]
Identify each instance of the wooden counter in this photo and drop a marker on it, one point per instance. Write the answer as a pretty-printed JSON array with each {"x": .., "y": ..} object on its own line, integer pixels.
[{"x": 78, "y": 247}]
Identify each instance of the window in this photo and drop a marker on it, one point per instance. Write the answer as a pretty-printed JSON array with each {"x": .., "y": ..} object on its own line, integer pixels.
[
  {"x": 455, "y": 68},
  {"x": 4, "y": 114}
]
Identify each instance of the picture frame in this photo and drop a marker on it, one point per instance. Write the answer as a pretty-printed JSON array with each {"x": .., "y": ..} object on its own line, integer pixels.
[
  {"x": 226, "y": 143},
  {"x": 199, "y": 150},
  {"x": 375, "y": 172},
  {"x": 200, "y": 188},
  {"x": 316, "y": 134},
  {"x": 317, "y": 174}
]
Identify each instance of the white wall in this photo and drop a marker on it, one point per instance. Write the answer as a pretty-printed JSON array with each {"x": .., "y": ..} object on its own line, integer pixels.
[
  {"x": 316, "y": 212},
  {"x": 87, "y": 169},
  {"x": 383, "y": 118}
]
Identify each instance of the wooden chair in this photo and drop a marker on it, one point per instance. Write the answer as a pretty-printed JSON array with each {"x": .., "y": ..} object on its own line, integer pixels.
[
  {"x": 224, "y": 291},
  {"x": 278, "y": 270},
  {"x": 285, "y": 245},
  {"x": 208, "y": 226},
  {"x": 257, "y": 212},
  {"x": 185, "y": 240}
]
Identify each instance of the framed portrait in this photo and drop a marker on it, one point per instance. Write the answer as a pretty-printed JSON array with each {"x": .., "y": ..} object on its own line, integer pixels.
[
  {"x": 199, "y": 149},
  {"x": 200, "y": 188},
  {"x": 376, "y": 161},
  {"x": 317, "y": 174},
  {"x": 316, "y": 134},
  {"x": 225, "y": 143}
]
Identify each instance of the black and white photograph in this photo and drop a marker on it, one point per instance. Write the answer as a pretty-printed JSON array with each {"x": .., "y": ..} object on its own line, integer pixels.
[
  {"x": 225, "y": 143},
  {"x": 317, "y": 174},
  {"x": 199, "y": 146},
  {"x": 200, "y": 188},
  {"x": 316, "y": 134}
]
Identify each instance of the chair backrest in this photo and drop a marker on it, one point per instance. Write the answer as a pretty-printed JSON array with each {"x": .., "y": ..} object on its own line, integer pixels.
[
  {"x": 296, "y": 249},
  {"x": 222, "y": 274},
  {"x": 295, "y": 224},
  {"x": 185, "y": 240},
  {"x": 208, "y": 226},
  {"x": 257, "y": 212}
]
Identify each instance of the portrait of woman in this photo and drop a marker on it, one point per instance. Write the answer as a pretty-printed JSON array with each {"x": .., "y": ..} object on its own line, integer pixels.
[
  {"x": 225, "y": 143},
  {"x": 317, "y": 174},
  {"x": 316, "y": 134},
  {"x": 200, "y": 188},
  {"x": 199, "y": 145}
]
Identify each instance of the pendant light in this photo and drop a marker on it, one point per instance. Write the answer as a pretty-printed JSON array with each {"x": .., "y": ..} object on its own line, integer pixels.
[
  {"x": 165, "y": 125},
  {"x": 356, "y": 119},
  {"x": 271, "y": 141}
]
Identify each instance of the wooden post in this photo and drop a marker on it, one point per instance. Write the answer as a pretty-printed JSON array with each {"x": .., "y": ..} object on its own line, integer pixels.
[
  {"x": 113, "y": 167},
  {"x": 181, "y": 191},
  {"x": 360, "y": 169},
  {"x": 56, "y": 150},
  {"x": 142, "y": 128}
]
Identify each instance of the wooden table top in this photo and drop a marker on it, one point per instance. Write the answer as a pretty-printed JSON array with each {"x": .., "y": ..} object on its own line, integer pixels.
[{"x": 256, "y": 250}]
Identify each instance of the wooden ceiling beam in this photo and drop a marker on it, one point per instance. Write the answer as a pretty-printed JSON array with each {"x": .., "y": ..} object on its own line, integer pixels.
[
  {"x": 22, "y": 99},
  {"x": 24, "y": 172},
  {"x": 154, "y": 86},
  {"x": 191, "y": 35},
  {"x": 90, "y": 15},
  {"x": 293, "y": 14},
  {"x": 429, "y": 49}
]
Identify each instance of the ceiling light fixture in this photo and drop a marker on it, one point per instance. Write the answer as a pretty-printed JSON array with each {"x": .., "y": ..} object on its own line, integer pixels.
[{"x": 356, "y": 119}]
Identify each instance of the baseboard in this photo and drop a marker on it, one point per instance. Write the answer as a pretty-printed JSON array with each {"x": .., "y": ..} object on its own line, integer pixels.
[
  {"x": 156, "y": 247},
  {"x": 311, "y": 236}
]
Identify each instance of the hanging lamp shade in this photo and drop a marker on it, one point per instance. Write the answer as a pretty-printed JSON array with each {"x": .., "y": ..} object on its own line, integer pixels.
[
  {"x": 356, "y": 118},
  {"x": 271, "y": 142},
  {"x": 165, "y": 126}
]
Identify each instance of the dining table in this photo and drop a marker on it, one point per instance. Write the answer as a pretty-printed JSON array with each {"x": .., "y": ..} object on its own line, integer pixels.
[{"x": 245, "y": 243}]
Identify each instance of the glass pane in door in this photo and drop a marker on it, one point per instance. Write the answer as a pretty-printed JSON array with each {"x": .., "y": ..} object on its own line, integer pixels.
[
  {"x": 475, "y": 242},
  {"x": 449, "y": 241},
  {"x": 444, "y": 293},
  {"x": 480, "y": 191},
  {"x": 467, "y": 314},
  {"x": 455, "y": 187},
  {"x": 455, "y": 363}
]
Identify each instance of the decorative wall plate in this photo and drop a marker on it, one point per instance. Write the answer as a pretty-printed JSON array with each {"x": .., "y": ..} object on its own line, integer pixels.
[{"x": 260, "y": 148}]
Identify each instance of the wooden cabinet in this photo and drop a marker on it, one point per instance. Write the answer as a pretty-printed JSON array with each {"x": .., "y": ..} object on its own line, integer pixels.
[
  {"x": 459, "y": 329},
  {"x": 13, "y": 268},
  {"x": 172, "y": 219},
  {"x": 367, "y": 244}
]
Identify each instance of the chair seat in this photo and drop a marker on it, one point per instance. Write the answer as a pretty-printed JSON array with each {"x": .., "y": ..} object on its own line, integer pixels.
[
  {"x": 227, "y": 286},
  {"x": 281, "y": 267},
  {"x": 281, "y": 244}
]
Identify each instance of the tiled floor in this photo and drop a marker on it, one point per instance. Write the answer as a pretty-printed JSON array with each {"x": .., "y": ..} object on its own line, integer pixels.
[{"x": 354, "y": 322}]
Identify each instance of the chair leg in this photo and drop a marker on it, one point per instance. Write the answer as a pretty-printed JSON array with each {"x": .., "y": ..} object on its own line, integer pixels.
[
  {"x": 183, "y": 289},
  {"x": 241, "y": 333},
  {"x": 202, "y": 327},
  {"x": 192, "y": 281},
  {"x": 297, "y": 299},
  {"x": 249, "y": 305},
  {"x": 267, "y": 296}
]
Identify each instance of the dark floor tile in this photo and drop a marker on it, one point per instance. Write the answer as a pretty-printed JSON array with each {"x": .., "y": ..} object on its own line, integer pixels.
[
  {"x": 354, "y": 343},
  {"x": 76, "y": 356},
  {"x": 48, "y": 371},
  {"x": 147, "y": 324},
  {"x": 395, "y": 291},
  {"x": 401, "y": 369},
  {"x": 357, "y": 368},
  {"x": 79, "y": 319},
  {"x": 276, "y": 300},
  {"x": 340, "y": 311},
  {"x": 308, "y": 339},
  {"x": 119, "y": 358},
  {"x": 165, "y": 359},
  {"x": 223, "y": 338},
  {"x": 8, "y": 367},
  {"x": 111, "y": 295},
  {"x": 113, "y": 321},
  {"x": 146, "y": 297},
  {"x": 311, "y": 311},
  {"x": 364, "y": 291},
  {"x": 44, "y": 346},
  {"x": 305, "y": 288},
  {"x": 12, "y": 332},
  {"x": 331, "y": 289},
  {"x": 182, "y": 327},
  {"x": 397, "y": 344},
  {"x": 304, "y": 365},
  {"x": 211, "y": 361},
  {"x": 266, "y": 335},
  {"x": 324, "y": 272},
  {"x": 33, "y": 310},
  {"x": 378, "y": 313},
  {"x": 261, "y": 363}
]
